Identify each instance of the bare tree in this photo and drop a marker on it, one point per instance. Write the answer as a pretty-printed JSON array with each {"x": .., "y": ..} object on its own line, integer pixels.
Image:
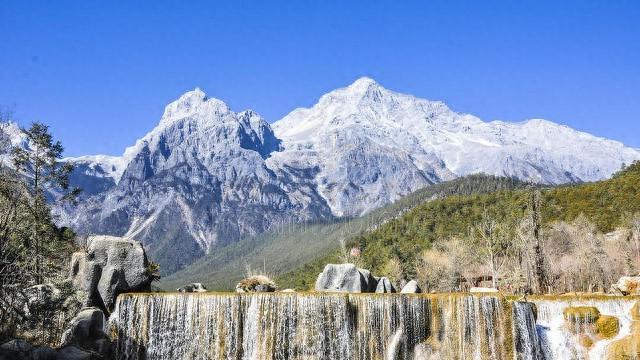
[
  {"x": 634, "y": 238},
  {"x": 493, "y": 245}
]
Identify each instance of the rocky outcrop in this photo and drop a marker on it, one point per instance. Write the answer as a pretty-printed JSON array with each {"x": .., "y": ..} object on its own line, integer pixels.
[
  {"x": 110, "y": 266},
  {"x": 193, "y": 287},
  {"x": 384, "y": 286},
  {"x": 411, "y": 287},
  {"x": 345, "y": 278},
  {"x": 256, "y": 283}
]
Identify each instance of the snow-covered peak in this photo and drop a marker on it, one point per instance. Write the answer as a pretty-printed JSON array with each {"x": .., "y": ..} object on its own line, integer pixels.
[
  {"x": 11, "y": 135},
  {"x": 192, "y": 102},
  {"x": 365, "y": 104},
  {"x": 365, "y": 112}
]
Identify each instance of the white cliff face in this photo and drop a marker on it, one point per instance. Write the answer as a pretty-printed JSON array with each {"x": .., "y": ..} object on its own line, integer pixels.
[
  {"x": 206, "y": 176},
  {"x": 373, "y": 145}
]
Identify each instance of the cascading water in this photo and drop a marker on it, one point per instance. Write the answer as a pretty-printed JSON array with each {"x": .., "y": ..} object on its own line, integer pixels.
[
  {"x": 351, "y": 326},
  {"x": 560, "y": 340}
]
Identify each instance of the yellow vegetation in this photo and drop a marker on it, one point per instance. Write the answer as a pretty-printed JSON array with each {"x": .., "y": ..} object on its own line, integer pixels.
[{"x": 586, "y": 341}]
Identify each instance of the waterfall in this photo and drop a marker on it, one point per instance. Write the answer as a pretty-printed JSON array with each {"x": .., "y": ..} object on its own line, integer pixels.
[
  {"x": 559, "y": 340},
  {"x": 351, "y": 326}
]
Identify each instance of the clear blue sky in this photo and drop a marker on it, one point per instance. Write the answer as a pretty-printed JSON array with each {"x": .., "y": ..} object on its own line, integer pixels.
[{"x": 101, "y": 72}]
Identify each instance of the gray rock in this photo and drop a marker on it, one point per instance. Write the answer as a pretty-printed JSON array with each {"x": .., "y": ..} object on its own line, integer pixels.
[
  {"x": 40, "y": 297},
  {"x": 193, "y": 287},
  {"x": 43, "y": 353},
  {"x": 111, "y": 266},
  {"x": 16, "y": 346},
  {"x": 411, "y": 287},
  {"x": 264, "y": 288},
  {"x": 86, "y": 328},
  {"x": 73, "y": 353},
  {"x": 345, "y": 278},
  {"x": 384, "y": 286}
]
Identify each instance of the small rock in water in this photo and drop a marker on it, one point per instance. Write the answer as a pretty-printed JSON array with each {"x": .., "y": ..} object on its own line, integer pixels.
[
  {"x": 288, "y": 291},
  {"x": 193, "y": 287},
  {"x": 483, "y": 290},
  {"x": 411, "y": 287},
  {"x": 385, "y": 286}
]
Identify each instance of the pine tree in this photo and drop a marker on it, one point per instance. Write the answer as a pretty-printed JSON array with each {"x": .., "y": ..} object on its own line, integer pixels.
[{"x": 42, "y": 174}]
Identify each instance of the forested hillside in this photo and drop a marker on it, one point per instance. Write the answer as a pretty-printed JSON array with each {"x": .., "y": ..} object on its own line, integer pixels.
[
  {"x": 449, "y": 230},
  {"x": 279, "y": 252}
]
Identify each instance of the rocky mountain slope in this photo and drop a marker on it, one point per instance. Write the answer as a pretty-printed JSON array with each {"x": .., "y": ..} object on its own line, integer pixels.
[
  {"x": 207, "y": 176},
  {"x": 198, "y": 180}
]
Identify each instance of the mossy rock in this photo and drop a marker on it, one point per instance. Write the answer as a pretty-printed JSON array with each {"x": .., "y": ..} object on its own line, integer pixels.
[
  {"x": 607, "y": 326},
  {"x": 586, "y": 341},
  {"x": 635, "y": 311},
  {"x": 581, "y": 314}
]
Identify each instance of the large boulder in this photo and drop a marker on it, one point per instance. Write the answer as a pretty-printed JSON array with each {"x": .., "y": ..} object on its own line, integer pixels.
[
  {"x": 411, "y": 287},
  {"x": 87, "y": 331},
  {"x": 384, "y": 286},
  {"x": 345, "y": 278},
  {"x": 110, "y": 266}
]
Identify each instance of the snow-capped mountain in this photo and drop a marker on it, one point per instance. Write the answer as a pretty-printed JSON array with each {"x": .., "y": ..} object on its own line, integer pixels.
[
  {"x": 206, "y": 176},
  {"x": 373, "y": 145},
  {"x": 198, "y": 180}
]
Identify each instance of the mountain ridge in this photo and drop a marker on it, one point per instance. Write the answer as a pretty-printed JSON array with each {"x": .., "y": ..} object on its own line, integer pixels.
[{"x": 206, "y": 176}]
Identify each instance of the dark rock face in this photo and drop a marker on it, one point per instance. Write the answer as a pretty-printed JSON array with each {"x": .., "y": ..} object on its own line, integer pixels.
[
  {"x": 345, "y": 278},
  {"x": 111, "y": 266}
]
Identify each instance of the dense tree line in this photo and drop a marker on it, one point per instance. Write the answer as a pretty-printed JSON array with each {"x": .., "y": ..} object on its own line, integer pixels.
[{"x": 567, "y": 238}]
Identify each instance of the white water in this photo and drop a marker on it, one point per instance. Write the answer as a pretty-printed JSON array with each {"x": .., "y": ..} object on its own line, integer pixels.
[
  {"x": 560, "y": 343},
  {"x": 340, "y": 326}
]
